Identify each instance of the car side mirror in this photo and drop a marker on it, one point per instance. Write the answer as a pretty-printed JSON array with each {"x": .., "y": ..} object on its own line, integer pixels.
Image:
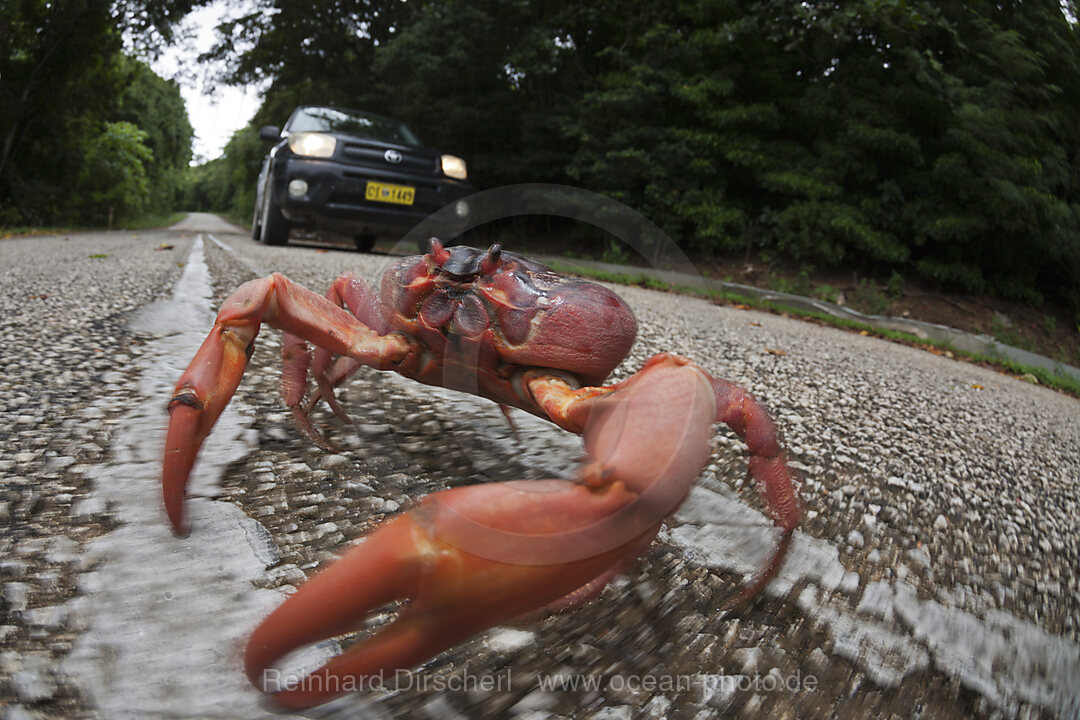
[{"x": 269, "y": 133}]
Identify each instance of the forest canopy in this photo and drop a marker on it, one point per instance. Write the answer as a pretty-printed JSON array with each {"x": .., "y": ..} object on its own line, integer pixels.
[{"x": 87, "y": 132}]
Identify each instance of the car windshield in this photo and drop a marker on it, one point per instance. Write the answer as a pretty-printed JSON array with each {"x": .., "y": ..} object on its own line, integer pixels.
[{"x": 350, "y": 122}]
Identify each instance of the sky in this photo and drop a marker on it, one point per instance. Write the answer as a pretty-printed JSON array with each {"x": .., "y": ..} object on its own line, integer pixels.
[{"x": 216, "y": 111}]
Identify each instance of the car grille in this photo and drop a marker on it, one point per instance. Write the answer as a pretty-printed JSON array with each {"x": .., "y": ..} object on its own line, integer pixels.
[{"x": 373, "y": 155}]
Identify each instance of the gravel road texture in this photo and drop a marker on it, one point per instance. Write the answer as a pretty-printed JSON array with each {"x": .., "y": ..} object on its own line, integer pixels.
[{"x": 935, "y": 573}]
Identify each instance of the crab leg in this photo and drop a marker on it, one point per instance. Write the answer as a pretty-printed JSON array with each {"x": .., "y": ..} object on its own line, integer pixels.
[
  {"x": 351, "y": 292},
  {"x": 295, "y": 363},
  {"x": 347, "y": 291},
  {"x": 208, "y": 384},
  {"x": 740, "y": 411},
  {"x": 474, "y": 557}
]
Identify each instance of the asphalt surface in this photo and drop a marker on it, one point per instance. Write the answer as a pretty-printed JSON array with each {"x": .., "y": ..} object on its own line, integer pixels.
[{"x": 935, "y": 573}]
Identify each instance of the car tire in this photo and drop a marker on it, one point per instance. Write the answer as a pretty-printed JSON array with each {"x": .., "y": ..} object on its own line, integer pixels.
[
  {"x": 275, "y": 228},
  {"x": 364, "y": 243},
  {"x": 256, "y": 225}
]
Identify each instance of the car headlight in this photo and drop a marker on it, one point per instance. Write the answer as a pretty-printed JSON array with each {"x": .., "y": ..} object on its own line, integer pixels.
[
  {"x": 311, "y": 144},
  {"x": 453, "y": 166}
]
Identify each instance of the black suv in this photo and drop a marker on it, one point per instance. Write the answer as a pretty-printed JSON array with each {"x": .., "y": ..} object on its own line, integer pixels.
[{"x": 353, "y": 173}]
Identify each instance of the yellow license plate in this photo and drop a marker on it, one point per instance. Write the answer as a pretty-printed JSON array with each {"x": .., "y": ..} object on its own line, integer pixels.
[{"x": 387, "y": 193}]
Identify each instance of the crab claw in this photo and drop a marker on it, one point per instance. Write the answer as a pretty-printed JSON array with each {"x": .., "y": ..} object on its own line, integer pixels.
[
  {"x": 669, "y": 379},
  {"x": 453, "y": 593},
  {"x": 473, "y": 557},
  {"x": 199, "y": 399}
]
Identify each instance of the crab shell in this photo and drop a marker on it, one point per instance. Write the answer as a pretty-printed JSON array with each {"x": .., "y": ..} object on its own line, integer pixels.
[{"x": 481, "y": 315}]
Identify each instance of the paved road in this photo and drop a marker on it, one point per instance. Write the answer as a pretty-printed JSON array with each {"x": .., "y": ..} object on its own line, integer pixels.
[
  {"x": 935, "y": 573},
  {"x": 206, "y": 223}
]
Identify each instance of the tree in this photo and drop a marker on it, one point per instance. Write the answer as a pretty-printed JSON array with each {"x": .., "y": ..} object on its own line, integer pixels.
[
  {"x": 55, "y": 89},
  {"x": 114, "y": 183},
  {"x": 156, "y": 107},
  {"x": 62, "y": 78},
  {"x": 934, "y": 137}
]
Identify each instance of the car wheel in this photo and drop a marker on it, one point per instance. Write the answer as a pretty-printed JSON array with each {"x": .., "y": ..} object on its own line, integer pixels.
[
  {"x": 256, "y": 226},
  {"x": 275, "y": 228},
  {"x": 364, "y": 243}
]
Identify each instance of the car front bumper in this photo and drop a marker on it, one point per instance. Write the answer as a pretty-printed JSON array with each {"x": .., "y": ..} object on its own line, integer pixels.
[{"x": 335, "y": 198}]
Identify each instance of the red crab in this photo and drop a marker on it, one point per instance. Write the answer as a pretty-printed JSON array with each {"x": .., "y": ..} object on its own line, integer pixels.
[{"x": 504, "y": 327}]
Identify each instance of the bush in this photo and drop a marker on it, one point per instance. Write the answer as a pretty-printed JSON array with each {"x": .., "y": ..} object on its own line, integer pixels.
[{"x": 114, "y": 182}]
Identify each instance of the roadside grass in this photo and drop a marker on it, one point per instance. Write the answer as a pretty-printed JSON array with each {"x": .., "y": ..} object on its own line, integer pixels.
[
  {"x": 1009, "y": 336},
  {"x": 1024, "y": 372},
  {"x": 149, "y": 221},
  {"x": 7, "y": 233}
]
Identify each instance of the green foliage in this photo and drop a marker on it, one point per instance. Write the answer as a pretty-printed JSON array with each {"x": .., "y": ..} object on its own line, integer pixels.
[
  {"x": 114, "y": 181},
  {"x": 1007, "y": 334},
  {"x": 799, "y": 285},
  {"x": 1050, "y": 324},
  {"x": 156, "y": 107},
  {"x": 827, "y": 292},
  {"x": 616, "y": 253},
  {"x": 870, "y": 297},
  {"x": 56, "y": 79},
  {"x": 895, "y": 285},
  {"x": 63, "y": 78}
]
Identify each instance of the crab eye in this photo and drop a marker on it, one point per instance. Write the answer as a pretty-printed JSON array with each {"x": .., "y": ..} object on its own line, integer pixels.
[
  {"x": 437, "y": 252},
  {"x": 490, "y": 263}
]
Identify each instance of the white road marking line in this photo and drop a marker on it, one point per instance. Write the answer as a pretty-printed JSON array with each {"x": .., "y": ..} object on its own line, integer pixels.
[
  {"x": 167, "y": 617},
  {"x": 256, "y": 270}
]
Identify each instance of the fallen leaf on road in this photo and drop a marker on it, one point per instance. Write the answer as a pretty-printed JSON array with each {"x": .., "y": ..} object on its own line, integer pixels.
[
  {"x": 977, "y": 386},
  {"x": 779, "y": 353},
  {"x": 164, "y": 246},
  {"x": 754, "y": 324},
  {"x": 741, "y": 307}
]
